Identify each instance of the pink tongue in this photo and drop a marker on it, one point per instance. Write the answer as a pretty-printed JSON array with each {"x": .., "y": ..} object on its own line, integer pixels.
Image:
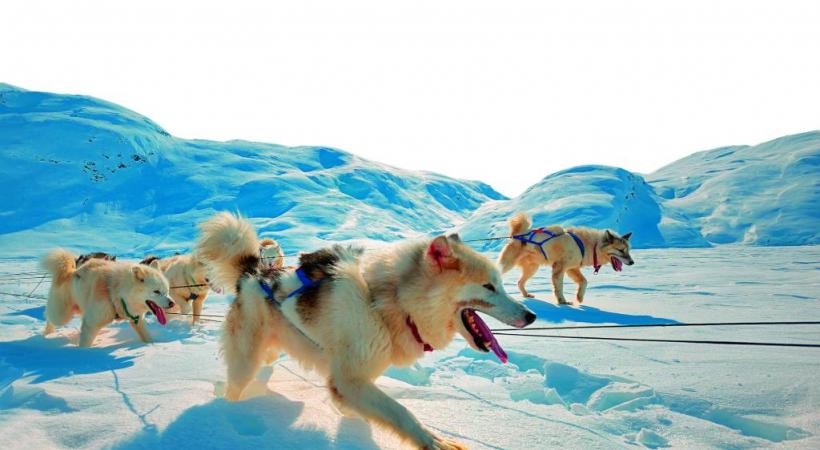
[
  {"x": 616, "y": 263},
  {"x": 488, "y": 336},
  {"x": 158, "y": 312}
]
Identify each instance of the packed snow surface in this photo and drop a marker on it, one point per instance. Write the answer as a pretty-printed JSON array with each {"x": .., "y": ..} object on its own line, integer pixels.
[{"x": 553, "y": 393}]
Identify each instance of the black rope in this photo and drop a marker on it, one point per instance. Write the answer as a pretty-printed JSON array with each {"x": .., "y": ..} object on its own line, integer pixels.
[
  {"x": 205, "y": 317},
  {"x": 674, "y": 341},
  {"x": 188, "y": 286},
  {"x": 657, "y": 325}
]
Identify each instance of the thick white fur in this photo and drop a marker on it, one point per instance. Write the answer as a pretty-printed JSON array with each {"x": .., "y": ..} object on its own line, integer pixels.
[
  {"x": 185, "y": 270},
  {"x": 94, "y": 290},
  {"x": 355, "y": 327}
]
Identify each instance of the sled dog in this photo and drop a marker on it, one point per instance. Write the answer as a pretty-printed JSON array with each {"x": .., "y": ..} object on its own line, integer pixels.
[
  {"x": 565, "y": 250},
  {"x": 102, "y": 291},
  {"x": 189, "y": 276},
  {"x": 271, "y": 253},
  {"x": 82, "y": 259},
  {"x": 349, "y": 315}
]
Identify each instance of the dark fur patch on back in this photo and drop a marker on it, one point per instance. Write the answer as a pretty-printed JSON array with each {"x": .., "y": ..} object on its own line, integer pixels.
[
  {"x": 318, "y": 265},
  {"x": 82, "y": 259},
  {"x": 248, "y": 264},
  {"x": 307, "y": 305},
  {"x": 149, "y": 259}
]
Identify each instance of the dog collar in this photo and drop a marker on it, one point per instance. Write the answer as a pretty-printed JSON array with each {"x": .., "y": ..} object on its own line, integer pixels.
[
  {"x": 595, "y": 264},
  {"x": 415, "y": 330},
  {"x": 135, "y": 319}
]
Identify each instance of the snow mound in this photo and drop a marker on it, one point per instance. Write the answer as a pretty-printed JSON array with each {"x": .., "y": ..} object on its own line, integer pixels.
[
  {"x": 107, "y": 178},
  {"x": 768, "y": 194},
  {"x": 593, "y": 196}
]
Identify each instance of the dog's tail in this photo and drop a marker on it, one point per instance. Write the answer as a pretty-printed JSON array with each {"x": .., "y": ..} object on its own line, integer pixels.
[
  {"x": 60, "y": 264},
  {"x": 519, "y": 224},
  {"x": 228, "y": 244}
]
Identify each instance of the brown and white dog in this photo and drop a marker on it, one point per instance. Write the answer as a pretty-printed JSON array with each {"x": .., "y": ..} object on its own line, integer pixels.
[
  {"x": 188, "y": 275},
  {"x": 561, "y": 250},
  {"x": 103, "y": 291},
  {"x": 367, "y": 311},
  {"x": 271, "y": 253}
]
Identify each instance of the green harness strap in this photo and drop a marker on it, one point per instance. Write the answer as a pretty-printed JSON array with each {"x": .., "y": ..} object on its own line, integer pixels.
[{"x": 135, "y": 319}]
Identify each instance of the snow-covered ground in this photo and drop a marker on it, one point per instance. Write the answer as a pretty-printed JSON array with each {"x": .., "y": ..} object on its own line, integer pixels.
[{"x": 553, "y": 393}]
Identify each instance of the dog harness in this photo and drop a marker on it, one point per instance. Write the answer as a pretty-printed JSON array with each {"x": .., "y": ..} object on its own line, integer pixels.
[
  {"x": 415, "y": 330},
  {"x": 307, "y": 283},
  {"x": 595, "y": 264},
  {"x": 529, "y": 238}
]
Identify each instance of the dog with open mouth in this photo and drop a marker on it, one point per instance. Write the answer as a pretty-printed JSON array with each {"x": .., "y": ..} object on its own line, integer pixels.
[
  {"x": 103, "y": 291},
  {"x": 188, "y": 275},
  {"x": 350, "y": 315},
  {"x": 565, "y": 250}
]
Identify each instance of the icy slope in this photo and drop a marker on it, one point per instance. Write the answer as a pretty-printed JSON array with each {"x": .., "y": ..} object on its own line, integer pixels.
[
  {"x": 84, "y": 173},
  {"x": 768, "y": 194},
  {"x": 595, "y": 196}
]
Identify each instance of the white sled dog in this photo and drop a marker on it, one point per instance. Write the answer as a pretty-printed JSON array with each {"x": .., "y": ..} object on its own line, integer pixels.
[
  {"x": 565, "y": 250},
  {"x": 189, "y": 275},
  {"x": 103, "y": 291},
  {"x": 350, "y": 320}
]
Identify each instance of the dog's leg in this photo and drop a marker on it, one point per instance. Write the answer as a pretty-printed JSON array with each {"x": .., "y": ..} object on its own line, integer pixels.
[
  {"x": 243, "y": 354},
  {"x": 88, "y": 331},
  {"x": 197, "y": 305},
  {"x": 527, "y": 272},
  {"x": 363, "y": 397},
  {"x": 558, "y": 283},
  {"x": 142, "y": 331},
  {"x": 48, "y": 329},
  {"x": 578, "y": 278}
]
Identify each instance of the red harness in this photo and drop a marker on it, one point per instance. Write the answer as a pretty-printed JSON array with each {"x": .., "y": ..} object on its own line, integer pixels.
[
  {"x": 414, "y": 329},
  {"x": 595, "y": 264}
]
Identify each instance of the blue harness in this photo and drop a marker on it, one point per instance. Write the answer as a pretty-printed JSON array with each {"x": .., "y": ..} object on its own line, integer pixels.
[
  {"x": 303, "y": 278},
  {"x": 529, "y": 238}
]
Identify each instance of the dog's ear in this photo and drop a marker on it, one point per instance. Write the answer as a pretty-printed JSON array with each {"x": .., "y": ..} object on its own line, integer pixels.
[
  {"x": 608, "y": 237},
  {"x": 441, "y": 254},
  {"x": 154, "y": 264},
  {"x": 454, "y": 237},
  {"x": 139, "y": 272},
  {"x": 627, "y": 236},
  {"x": 114, "y": 258}
]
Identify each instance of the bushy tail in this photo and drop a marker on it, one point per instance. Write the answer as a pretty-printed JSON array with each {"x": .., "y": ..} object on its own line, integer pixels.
[
  {"x": 228, "y": 244},
  {"x": 520, "y": 223},
  {"x": 60, "y": 263}
]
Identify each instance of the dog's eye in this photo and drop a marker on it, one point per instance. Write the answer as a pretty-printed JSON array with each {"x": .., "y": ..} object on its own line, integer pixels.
[
  {"x": 157, "y": 292},
  {"x": 489, "y": 287}
]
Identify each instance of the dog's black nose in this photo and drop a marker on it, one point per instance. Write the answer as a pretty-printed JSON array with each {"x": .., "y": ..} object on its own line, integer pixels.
[
  {"x": 170, "y": 304},
  {"x": 529, "y": 317},
  {"x": 630, "y": 263}
]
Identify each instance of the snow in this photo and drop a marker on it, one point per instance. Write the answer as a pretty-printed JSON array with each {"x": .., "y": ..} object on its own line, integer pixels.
[
  {"x": 86, "y": 174},
  {"x": 568, "y": 393},
  {"x": 768, "y": 194},
  {"x": 134, "y": 189}
]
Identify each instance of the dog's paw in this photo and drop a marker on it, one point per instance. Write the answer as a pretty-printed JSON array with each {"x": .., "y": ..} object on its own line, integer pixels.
[
  {"x": 529, "y": 296},
  {"x": 440, "y": 443}
]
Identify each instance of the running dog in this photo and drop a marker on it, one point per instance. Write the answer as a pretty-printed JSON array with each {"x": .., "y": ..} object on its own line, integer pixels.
[
  {"x": 351, "y": 315},
  {"x": 103, "y": 291},
  {"x": 189, "y": 276},
  {"x": 565, "y": 250}
]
